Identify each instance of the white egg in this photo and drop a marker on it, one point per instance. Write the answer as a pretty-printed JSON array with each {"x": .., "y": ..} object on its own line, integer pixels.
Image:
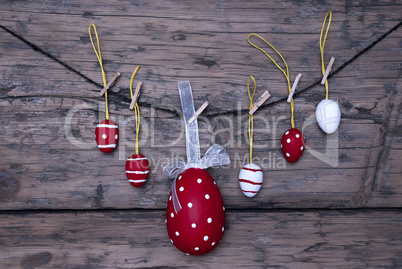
[
  {"x": 250, "y": 179},
  {"x": 328, "y": 116}
]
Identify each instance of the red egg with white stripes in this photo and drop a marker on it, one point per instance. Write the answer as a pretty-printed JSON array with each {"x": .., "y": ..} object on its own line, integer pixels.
[
  {"x": 107, "y": 135},
  {"x": 199, "y": 226},
  {"x": 292, "y": 145},
  {"x": 137, "y": 169},
  {"x": 250, "y": 179}
]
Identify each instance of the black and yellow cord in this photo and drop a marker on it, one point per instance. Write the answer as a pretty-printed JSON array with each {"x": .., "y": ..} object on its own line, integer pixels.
[
  {"x": 280, "y": 68},
  {"x": 136, "y": 110},
  {"x": 250, "y": 117},
  {"x": 99, "y": 56},
  {"x": 322, "y": 45}
]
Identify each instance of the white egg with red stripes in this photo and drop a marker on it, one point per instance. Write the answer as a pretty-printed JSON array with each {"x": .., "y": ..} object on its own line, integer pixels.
[{"x": 250, "y": 179}]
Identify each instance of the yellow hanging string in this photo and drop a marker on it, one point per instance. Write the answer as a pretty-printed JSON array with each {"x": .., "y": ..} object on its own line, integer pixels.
[
  {"x": 250, "y": 117},
  {"x": 322, "y": 45},
  {"x": 136, "y": 110},
  {"x": 99, "y": 56},
  {"x": 286, "y": 65}
]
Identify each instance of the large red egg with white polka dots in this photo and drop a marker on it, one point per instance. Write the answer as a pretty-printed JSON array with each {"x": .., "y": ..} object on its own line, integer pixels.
[
  {"x": 107, "y": 135},
  {"x": 137, "y": 169},
  {"x": 292, "y": 145},
  {"x": 199, "y": 226}
]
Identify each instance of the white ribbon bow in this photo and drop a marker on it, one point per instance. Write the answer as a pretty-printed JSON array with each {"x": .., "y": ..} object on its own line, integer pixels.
[{"x": 215, "y": 155}]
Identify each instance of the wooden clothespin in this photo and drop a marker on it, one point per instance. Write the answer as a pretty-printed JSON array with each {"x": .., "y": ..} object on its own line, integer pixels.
[
  {"x": 136, "y": 95},
  {"x": 294, "y": 87},
  {"x": 329, "y": 67},
  {"x": 264, "y": 97},
  {"x": 198, "y": 112},
  {"x": 109, "y": 84}
]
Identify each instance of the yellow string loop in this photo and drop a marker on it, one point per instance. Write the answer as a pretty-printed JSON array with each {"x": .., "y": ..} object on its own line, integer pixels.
[
  {"x": 322, "y": 45},
  {"x": 99, "y": 56},
  {"x": 136, "y": 110},
  {"x": 286, "y": 65},
  {"x": 250, "y": 117}
]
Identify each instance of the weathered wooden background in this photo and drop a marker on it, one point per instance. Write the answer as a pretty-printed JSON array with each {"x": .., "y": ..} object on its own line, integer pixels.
[{"x": 64, "y": 204}]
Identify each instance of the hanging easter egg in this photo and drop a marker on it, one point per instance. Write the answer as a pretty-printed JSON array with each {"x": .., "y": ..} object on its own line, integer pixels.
[
  {"x": 137, "y": 169},
  {"x": 107, "y": 135},
  {"x": 198, "y": 227},
  {"x": 328, "y": 115},
  {"x": 292, "y": 145},
  {"x": 250, "y": 179}
]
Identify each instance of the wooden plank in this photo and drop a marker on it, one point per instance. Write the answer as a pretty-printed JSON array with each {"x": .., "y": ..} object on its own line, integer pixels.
[
  {"x": 74, "y": 175},
  {"x": 69, "y": 40},
  {"x": 127, "y": 239},
  {"x": 43, "y": 169},
  {"x": 389, "y": 170}
]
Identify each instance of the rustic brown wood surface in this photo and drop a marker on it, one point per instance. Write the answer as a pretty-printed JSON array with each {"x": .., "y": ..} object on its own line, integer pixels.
[
  {"x": 48, "y": 113},
  {"x": 319, "y": 239}
]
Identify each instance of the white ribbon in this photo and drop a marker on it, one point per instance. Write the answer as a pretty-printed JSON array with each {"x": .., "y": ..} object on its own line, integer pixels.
[{"x": 215, "y": 155}]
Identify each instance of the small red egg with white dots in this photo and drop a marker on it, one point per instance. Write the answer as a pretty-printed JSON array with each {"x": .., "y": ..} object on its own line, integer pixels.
[
  {"x": 107, "y": 135},
  {"x": 199, "y": 226},
  {"x": 292, "y": 145}
]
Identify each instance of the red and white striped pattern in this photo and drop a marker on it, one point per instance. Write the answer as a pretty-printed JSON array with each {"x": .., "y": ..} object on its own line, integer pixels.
[
  {"x": 137, "y": 169},
  {"x": 107, "y": 135},
  {"x": 250, "y": 179}
]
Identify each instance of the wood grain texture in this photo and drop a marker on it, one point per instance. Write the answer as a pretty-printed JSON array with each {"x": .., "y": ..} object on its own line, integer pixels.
[
  {"x": 204, "y": 42},
  {"x": 90, "y": 217},
  {"x": 132, "y": 239}
]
